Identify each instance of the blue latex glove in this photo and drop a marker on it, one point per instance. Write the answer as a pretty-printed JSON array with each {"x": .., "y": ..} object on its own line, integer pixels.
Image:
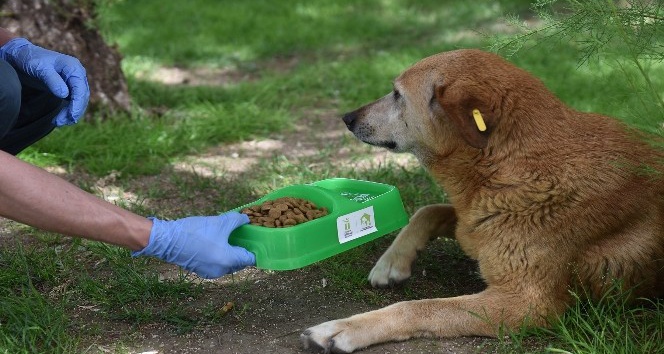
[
  {"x": 63, "y": 75},
  {"x": 199, "y": 244}
]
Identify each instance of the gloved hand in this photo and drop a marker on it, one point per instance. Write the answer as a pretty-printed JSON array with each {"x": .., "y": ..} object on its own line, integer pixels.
[
  {"x": 199, "y": 244},
  {"x": 63, "y": 75}
]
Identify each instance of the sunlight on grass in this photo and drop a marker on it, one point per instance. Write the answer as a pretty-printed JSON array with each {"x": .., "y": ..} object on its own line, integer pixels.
[
  {"x": 259, "y": 29},
  {"x": 346, "y": 61}
]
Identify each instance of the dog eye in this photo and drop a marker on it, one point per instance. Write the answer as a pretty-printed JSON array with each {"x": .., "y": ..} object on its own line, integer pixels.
[{"x": 396, "y": 94}]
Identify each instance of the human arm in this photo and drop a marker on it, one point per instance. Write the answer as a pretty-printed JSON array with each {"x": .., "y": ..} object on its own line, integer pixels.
[
  {"x": 61, "y": 74},
  {"x": 35, "y": 197}
]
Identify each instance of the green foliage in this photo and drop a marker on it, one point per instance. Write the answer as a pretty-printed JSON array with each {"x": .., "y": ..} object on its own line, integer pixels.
[
  {"x": 601, "y": 28},
  {"x": 628, "y": 35}
]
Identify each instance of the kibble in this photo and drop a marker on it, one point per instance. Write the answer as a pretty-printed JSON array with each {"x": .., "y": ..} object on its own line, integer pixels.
[{"x": 283, "y": 212}]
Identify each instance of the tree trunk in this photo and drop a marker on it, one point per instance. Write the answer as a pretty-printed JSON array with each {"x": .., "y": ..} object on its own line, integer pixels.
[{"x": 67, "y": 26}]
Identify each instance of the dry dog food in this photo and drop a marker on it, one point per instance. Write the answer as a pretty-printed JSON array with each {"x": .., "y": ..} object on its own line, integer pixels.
[{"x": 283, "y": 212}]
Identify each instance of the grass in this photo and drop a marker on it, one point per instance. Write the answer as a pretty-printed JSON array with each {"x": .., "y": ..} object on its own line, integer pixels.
[
  {"x": 33, "y": 325},
  {"x": 31, "y": 322},
  {"x": 298, "y": 57},
  {"x": 609, "y": 325}
]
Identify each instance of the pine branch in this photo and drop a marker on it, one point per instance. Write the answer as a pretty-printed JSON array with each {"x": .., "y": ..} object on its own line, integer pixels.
[{"x": 631, "y": 34}]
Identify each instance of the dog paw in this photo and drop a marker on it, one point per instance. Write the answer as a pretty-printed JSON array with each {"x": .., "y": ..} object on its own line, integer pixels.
[
  {"x": 328, "y": 337},
  {"x": 392, "y": 268}
]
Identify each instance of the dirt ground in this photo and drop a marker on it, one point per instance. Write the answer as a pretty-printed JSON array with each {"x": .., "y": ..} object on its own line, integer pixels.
[
  {"x": 283, "y": 304},
  {"x": 271, "y": 309}
]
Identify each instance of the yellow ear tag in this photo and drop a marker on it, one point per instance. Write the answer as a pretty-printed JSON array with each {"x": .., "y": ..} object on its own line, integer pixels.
[{"x": 479, "y": 120}]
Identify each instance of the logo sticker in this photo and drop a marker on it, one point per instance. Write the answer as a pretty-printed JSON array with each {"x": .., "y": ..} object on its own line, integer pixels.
[{"x": 356, "y": 224}]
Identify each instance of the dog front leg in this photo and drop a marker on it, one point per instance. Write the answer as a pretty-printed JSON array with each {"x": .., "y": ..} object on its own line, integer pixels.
[
  {"x": 394, "y": 266},
  {"x": 480, "y": 314}
]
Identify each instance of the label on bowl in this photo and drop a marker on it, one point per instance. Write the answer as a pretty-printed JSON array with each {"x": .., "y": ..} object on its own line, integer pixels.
[{"x": 356, "y": 224}]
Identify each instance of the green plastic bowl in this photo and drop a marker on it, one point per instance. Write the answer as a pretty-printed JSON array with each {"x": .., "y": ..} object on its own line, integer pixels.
[{"x": 359, "y": 212}]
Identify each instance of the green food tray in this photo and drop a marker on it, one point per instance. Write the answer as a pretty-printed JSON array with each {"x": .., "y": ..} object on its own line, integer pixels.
[{"x": 359, "y": 212}]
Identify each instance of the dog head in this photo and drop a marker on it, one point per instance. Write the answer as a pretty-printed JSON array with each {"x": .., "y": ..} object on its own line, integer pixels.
[{"x": 446, "y": 101}]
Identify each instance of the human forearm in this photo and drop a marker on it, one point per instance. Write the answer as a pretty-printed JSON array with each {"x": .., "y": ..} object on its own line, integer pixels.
[
  {"x": 35, "y": 197},
  {"x": 5, "y": 36},
  {"x": 32, "y": 196}
]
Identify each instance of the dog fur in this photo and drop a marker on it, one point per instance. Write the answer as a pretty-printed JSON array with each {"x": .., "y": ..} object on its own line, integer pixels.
[{"x": 546, "y": 199}]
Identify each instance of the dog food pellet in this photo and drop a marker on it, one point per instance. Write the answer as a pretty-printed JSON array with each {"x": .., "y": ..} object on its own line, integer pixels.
[{"x": 283, "y": 212}]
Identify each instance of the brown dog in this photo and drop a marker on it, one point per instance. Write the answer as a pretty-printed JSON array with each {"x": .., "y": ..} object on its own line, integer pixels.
[{"x": 545, "y": 198}]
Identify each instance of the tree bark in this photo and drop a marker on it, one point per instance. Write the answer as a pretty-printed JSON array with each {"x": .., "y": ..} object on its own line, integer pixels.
[{"x": 67, "y": 26}]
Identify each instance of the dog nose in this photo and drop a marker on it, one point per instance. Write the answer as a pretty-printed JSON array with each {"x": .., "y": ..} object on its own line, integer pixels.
[{"x": 349, "y": 119}]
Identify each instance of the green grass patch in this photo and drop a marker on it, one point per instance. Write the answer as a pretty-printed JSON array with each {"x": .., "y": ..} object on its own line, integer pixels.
[
  {"x": 144, "y": 145},
  {"x": 30, "y": 320},
  {"x": 33, "y": 324},
  {"x": 611, "y": 325}
]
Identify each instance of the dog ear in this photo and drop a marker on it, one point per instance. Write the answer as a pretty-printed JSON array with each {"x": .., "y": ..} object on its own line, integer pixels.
[{"x": 469, "y": 111}]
